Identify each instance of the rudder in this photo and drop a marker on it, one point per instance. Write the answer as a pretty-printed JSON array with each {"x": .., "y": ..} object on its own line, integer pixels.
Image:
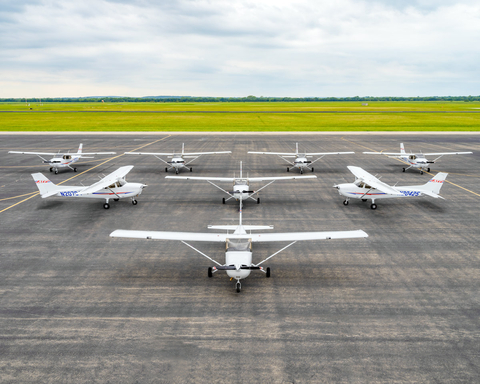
[
  {"x": 435, "y": 184},
  {"x": 44, "y": 185}
]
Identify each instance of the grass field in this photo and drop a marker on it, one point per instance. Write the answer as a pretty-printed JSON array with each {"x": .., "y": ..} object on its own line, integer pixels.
[{"x": 377, "y": 116}]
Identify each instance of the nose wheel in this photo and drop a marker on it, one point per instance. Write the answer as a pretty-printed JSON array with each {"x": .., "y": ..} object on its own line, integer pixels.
[
  {"x": 134, "y": 202},
  {"x": 345, "y": 202},
  {"x": 238, "y": 286},
  {"x": 106, "y": 205},
  {"x": 373, "y": 206}
]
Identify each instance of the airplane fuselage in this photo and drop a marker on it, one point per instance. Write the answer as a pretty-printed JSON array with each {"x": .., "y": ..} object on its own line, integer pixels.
[
  {"x": 417, "y": 161},
  {"x": 238, "y": 259},
  {"x": 301, "y": 162},
  {"x": 118, "y": 192},
  {"x": 64, "y": 161},
  {"x": 353, "y": 191},
  {"x": 241, "y": 190}
]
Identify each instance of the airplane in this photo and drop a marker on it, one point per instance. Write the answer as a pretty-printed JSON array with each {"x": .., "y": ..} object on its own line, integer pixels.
[
  {"x": 63, "y": 160},
  {"x": 238, "y": 256},
  {"x": 367, "y": 186},
  {"x": 113, "y": 186},
  {"x": 241, "y": 185},
  {"x": 301, "y": 158},
  {"x": 416, "y": 160},
  {"x": 178, "y": 159}
]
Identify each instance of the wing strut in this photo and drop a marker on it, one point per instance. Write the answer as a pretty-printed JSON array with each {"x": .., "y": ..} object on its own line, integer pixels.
[
  {"x": 201, "y": 253},
  {"x": 276, "y": 253}
]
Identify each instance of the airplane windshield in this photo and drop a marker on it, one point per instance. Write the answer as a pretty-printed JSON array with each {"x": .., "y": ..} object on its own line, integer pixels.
[
  {"x": 238, "y": 245},
  {"x": 241, "y": 182},
  {"x": 361, "y": 184}
]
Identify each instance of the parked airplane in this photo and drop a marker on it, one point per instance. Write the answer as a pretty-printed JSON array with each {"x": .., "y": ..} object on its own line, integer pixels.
[
  {"x": 416, "y": 160},
  {"x": 241, "y": 185},
  {"x": 178, "y": 160},
  {"x": 301, "y": 158},
  {"x": 63, "y": 160},
  {"x": 238, "y": 256},
  {"x": 113, "y": 186},
  {"x": 367, "y": 186}
]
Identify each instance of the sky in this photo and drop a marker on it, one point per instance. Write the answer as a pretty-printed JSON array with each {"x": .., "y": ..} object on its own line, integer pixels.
[{"x": 300, "y": 48}]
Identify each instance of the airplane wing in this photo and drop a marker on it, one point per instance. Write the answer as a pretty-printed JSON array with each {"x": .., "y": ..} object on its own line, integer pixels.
[
  {"x": 151, "y": 153},
  {"x": 274, "y": 153},
  {"x": 231, "y": 179},
  {"x": 327, "y": 153},
  {"x": 92, "y": 153},
  {"x": 371, "y": 180},
  {"x": 37, "y": 153},
  {"x": 253, "y": 179},
  {"x": 446, "y": 153},
  {"x": 387, "y": 153},
  {"x": 222, "y": 237},
  {"x": 204, "y": 153},
  {"x": 107, "y": 180}
]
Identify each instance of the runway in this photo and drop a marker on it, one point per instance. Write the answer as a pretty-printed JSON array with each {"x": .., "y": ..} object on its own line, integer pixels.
[{"x": 402, "y": 305}]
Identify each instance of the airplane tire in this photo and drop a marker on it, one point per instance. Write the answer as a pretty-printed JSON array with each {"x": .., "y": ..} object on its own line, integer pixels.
[
  {"x": 403, "y": 169},
  {"x": 238, "y": 288},
  {"x": 210, "y": 273},
  {"x": 345, "y": 202},
  {"x": 301, "y": 172},
  {"x": 373, "y": 206},
  {"x": 421, "y": 172},
  {"x": 223, "y": 201},
  {"x": 106, "y": 205},
  {"x": 74, "y": 169},
  {"x": 176, "y": 171},
  {"x": 288, "y": 169},
  {"x": 428, "y": 169},
  {"x": 313, "y": 169},
  {"x": 268, "y": 272},
  {"x": 56, "y": 171},
  {"x": 134, "y": 202},
  {"x": 364, "y": 200},
  {"x": 191, "y": 169},
  {"x": 51, "y": 169},
  {"x": 166, "y": 169},
  {"x": 258, "y": 200},
  {"x": 116, "y": 199}
]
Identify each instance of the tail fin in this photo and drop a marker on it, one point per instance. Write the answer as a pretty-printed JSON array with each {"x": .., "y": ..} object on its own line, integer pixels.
[
  {"x": 435, "y": 184},
  {"x": 45, "y": 186},
  {"x": 402, "y": 148},
  {"x": 80, "y": 148}
]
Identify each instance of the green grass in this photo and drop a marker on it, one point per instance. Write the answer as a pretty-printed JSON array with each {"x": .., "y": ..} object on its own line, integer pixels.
[{"x": 198, "y": 121}]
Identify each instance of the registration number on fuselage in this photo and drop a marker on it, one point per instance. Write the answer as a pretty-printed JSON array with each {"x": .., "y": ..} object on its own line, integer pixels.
[
  {"x": 410, "y": 193},
  {"x": 69, "y": 193}
]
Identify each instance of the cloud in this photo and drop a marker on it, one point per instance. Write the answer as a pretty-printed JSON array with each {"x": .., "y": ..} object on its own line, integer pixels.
[{"x": 217, "y": 48}]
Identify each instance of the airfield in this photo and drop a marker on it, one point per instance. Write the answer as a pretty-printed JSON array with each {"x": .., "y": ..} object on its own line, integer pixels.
[{"x": 402, "y": 305}]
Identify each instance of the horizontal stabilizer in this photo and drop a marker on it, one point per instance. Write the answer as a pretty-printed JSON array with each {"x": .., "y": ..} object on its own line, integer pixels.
[{"x": 245, "y": 227}]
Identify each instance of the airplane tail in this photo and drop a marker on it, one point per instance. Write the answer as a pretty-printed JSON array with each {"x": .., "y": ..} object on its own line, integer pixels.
[
  {"x": 80, "y": 148},
  {"x": 435, "y": 184},
  {"x": 402, "y": 148},
  {"x": 45, "y": 186}
]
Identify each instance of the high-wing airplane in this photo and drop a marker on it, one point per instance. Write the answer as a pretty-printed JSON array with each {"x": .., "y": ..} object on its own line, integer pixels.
[
  {"x": 416, "y": 160},
  {"x": 367, "y": 186},
  {"x": 301, "y": 158},
  {"x": 238, "y": 256},
  {"x": 178, "y": 159},
  {"x": 241, "y": 185},
  {"x": 113, "y": 186},
  {"x": 63, "y": 160}
]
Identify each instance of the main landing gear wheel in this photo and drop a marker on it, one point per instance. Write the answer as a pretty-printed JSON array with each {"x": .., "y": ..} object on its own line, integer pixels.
[
  {"x": 288, "y": 169},
  {"x": 191, "y": 169},
  {"x": 373, "y": 206},
  {"x": 210, "y": 273},
  {"x": 403, "y": 169},
  {"x": 56, "y": 171},
  {"x": 116, "y": 199},
  {"x": 301, "y": 171},
  {"x": 421, "y": 172},
  {"x": 74, "y": 169},
  {"x": 364, "y": 200},
  {"x": 51, "y": 169},
  {"x": 313, "y": 169},
  {"x": 166, "y": 169},
  {"x": 345, "y": 202},
  {"x": 176, "y": 171},
  {"x": 106, "y": 205},
  {"x": 223, "y": 201},
  {"x": 268, "y": 272},
  {"x": 258, "y": 200},
  {"x": 428, "y": 169},
  {"x": 239, "y": 287},
  {"x": 134, "y": 202}
]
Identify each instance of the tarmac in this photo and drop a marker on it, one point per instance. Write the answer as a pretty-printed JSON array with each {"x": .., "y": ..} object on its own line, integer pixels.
[{"x": 402, "y": 305}]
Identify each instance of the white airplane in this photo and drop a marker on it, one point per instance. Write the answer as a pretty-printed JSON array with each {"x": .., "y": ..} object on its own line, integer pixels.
[
  {"x": 416, "y": 160},
  {"x": 238, "y": 256},
  {"x": 301, "y": 158},
  {"x": 241, "y": 185},
  {"x": 178, "y": 159},
  {"x": 113, "y": 186},
  {"x": 63, "y": 160},
  {"x": 367, "y": 186}
]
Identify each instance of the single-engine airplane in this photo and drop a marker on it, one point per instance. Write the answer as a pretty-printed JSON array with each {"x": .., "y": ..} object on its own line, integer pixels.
[
  {"x": 113, "y": 186},
  {"x": 301, "y": 158},
  {"x": 178, "y": 159},
  {"x": 238, "y": 256},
  {"x": 241, "y": 185},
  {"x": 63, "y": 160},
  {"x": 367, "y": 186},
  {"x": 416, "y": 160}
]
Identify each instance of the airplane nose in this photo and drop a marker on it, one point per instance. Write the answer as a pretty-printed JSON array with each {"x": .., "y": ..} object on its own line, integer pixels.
[
  {"x": 336, "y": 186},
  {"x": 144, "y": 186}
]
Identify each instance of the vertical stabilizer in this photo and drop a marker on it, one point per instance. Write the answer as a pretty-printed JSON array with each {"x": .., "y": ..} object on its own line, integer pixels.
[
  {"x": 183, "y": 148},
  {"x": 296, "y": 148},
  {"x": 435, "y": 184},
  {"x": 44, "y": 185},
  {"x": 80, "y": 148},
  {"x": 241, "y": 175},
  {"x": 402, "y": 148}
]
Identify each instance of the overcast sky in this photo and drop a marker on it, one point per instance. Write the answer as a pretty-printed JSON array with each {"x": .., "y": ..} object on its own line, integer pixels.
[{"x": 51, "y": 48}]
